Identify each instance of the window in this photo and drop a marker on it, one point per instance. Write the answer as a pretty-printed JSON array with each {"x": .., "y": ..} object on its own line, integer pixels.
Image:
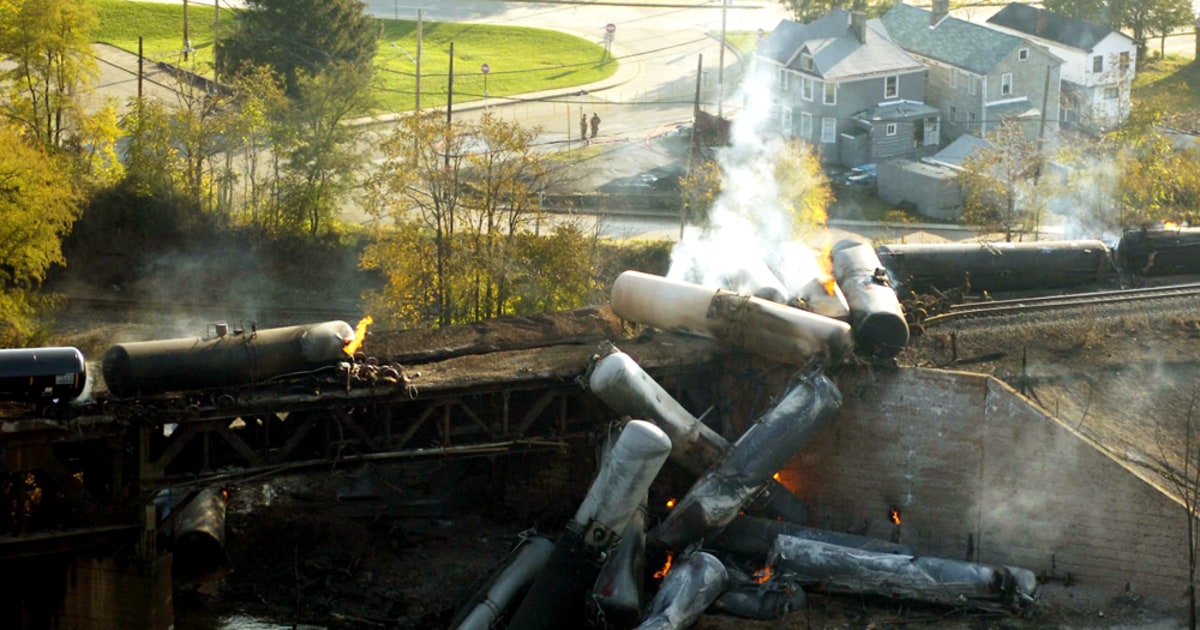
[
  {"x": 785, "y": 121},
  {"x": 828, "y": 130},
  {"x": 1023, "y": 54},
  {"x": 891, "y": 86},
  {"x": 953, "y": 113},
  {"x": 829, "y": 97},
  {"x": 806, "y": 125},
  {"x": 890, "y": 130},
  {"x": 953, "y": 78},
  {"x": 1098, "y": 63},
  {"x": 1123, "y": 60},
  {"x": 783, "y": 80},
  {"x": 972, "y": 85},
  {"x": 1006, "y": 84},
  {"x": 806, "y": 62},
  {"x": 1111, "y": 93},
  {"x": 806, "y": 88},
  {"x": 971, "y": 118},
  {"x": 931, "y": 132}
]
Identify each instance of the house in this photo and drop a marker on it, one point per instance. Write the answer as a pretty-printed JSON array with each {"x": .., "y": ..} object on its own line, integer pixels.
[
  {"x": 978, "y": 77},
  {"x": 856, "y": 96},
  {"x": 1098, "y": 63},
  {"x": 929, "y": 186}
]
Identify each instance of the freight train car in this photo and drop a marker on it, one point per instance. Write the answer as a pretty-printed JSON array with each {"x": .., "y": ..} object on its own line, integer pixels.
[
  {"x": 997, "y": 266},
  {"x": 225, "y": 359},
  {"x": 57, "y": 374},
  {"x": 1160, "y": 252}
]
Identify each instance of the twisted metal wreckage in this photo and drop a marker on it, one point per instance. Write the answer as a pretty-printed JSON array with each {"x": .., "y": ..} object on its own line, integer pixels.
[{"x": 735, "y": 515}]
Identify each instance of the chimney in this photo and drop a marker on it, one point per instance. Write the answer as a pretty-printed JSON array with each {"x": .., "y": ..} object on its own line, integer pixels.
[
  {"x": 941, "y": 8},
  {"x": 1041, "y": 21},
  {"x": 858, "y": 22}
]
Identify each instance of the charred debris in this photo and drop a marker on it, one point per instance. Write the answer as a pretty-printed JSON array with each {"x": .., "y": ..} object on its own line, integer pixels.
[{"x": 734, "y": 543}]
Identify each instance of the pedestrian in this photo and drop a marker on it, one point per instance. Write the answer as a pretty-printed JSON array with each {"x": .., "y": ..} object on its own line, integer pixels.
[
  {"x": 595, "y": 124},
  {"x": 583, "y": 126}
]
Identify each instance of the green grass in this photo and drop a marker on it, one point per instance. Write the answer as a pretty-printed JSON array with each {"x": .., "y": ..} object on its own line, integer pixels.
[
  {"x": 745, "y": 42},
  {"x": 1169, "y": 84},
  {"x": 521, "y": 59}
]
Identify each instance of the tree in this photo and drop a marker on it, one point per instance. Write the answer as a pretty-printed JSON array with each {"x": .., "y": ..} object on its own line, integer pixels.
[
  {"x": 299, "y": 38},
  {"x": 48, "y": 43},
  {"x": 1181, "y": 468},
  {"x": 1000, "y": 183},
  {"x": 1164, "y": 17},
  {"x": 1140, "y": 17},
  {"x": 458, "y": 237},
  {"x": 808, "y": 10},
  {"x": 38, "y": 206}
]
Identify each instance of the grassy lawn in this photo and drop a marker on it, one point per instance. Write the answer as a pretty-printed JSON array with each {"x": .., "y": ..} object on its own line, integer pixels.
[
  {"x": 521, "y": 59},
  {"x": 745, "y": 41},
  {"x": 1171, "y": 84}
]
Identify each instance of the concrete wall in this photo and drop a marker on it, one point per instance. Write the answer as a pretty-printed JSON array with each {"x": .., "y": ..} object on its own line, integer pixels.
[{"x": 980, "y": 473}]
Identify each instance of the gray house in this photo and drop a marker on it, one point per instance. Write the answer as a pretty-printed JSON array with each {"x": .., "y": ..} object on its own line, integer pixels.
[
  {"x": 855, "y": 95},
  {"x": 1098, "y": 63},
  {"x": 978, "y": 77}
]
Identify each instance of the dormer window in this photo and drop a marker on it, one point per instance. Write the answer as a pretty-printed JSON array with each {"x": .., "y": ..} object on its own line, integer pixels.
[{"x": 806, "y": 62}]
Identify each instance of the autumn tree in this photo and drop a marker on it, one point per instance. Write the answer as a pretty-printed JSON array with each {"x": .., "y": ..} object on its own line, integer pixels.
[
  {"x": 1157, "y": 180},
  {"x": 38, "y": 206},
  {"x": 459, "y": 206},
  {"x": 298, "y": 38},
  {"x": 48, "y": 46},
  {"x": 1000, "y": 183}
]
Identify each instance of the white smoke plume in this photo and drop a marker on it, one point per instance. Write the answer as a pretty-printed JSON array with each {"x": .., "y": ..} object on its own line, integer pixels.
[{"x": 749, "y": 232}]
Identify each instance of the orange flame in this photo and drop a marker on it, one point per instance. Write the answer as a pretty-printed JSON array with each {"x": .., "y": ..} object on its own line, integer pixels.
[
  {"x": 670, "y": 504},
  {"x": 1170, "y": 225},
  {"x": 762, "y": 575},
  {"x": 775, "y": 477},
  {"x": 825, "y": 259},
  {"x": 360, "y": 334},
  {"x": 894, "y": 514},
  {"x": 666, "y": 568}
]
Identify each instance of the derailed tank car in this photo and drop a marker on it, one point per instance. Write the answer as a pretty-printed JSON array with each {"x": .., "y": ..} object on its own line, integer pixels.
[
  {"x": 42, "y": 374},
  {"x": 875, "y": 313},
  {"x": 1160, "y": 252},
  {"x": 223, "y": 360},
  {"x": 997, "y": 266}
]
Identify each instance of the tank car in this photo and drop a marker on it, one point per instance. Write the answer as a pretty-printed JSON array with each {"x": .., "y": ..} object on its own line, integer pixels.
[
  {"x": 997, "y": 266},
  {"x": 1160, "y": 252},
  {"x": 33, "y": 374},
  {"x": 875, "y": 314},
  {"x": 224, "y": 359}
]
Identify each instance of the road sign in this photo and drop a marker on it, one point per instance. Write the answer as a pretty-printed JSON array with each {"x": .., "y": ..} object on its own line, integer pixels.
[
  {"x": 610, "y": 28},
  {"x": 485, "y": 68}
]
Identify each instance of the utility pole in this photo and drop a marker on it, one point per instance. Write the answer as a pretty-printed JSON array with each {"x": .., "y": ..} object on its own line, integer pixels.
[
  {"x": 721, "y": 64},
  {"x": 187, "y": 41},
  {"x": 141, "y": 73},
  {"x": 691, "y": 143},
  {"x": 449, "y": 102},
  {"x": 216, "y": 35},
  {"x": 419, "y": 24}
]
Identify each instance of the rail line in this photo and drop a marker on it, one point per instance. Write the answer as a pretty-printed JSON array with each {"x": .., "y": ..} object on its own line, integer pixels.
[{"x": 1055, "y": 302}]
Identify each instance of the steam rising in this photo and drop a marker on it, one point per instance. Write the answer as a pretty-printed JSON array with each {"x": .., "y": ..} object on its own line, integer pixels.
[{"x": 749, "y": 230}]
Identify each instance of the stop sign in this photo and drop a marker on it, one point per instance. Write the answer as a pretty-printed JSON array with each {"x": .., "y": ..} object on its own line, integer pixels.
[
  {"x": 610, "y": 28},
  {"x": 485, "y": 68}
]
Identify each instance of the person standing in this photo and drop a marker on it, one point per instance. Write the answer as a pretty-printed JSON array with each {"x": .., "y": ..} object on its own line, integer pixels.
[
  {"x": 583, "y": 126},
  {"x": 595, "y": 124}
]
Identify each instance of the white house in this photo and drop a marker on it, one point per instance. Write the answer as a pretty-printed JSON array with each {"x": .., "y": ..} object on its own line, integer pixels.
[{"x": 1098, "y": 63}]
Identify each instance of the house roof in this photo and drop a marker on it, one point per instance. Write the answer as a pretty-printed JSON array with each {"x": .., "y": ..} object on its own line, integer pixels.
[
  {"x": 958, "y": 151},
  {"x": 836, "y": 51},
  {"x": 972, "y": 47},
  {"x": 1020, "y": 108},
  {"x": 897, "y": 110},
  {"x": 1050, "y": 26}
]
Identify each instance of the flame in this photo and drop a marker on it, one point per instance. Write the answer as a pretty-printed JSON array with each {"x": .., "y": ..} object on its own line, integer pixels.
[
  {"x": 825, "y": 259},
  {"x": 775, "y": 477},
  {"x": 666, "y": 568},
  {"x": 1170, "y": 225},
  {"x": 360, "y": 334},
  {"x": 894, "y": 514},
  {"x": 670, "y": 504},
  {"x": 762, "y": 575}
]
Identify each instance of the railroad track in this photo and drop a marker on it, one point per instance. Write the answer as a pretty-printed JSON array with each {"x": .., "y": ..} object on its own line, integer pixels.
[{"x": 1057, "y": 302}]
